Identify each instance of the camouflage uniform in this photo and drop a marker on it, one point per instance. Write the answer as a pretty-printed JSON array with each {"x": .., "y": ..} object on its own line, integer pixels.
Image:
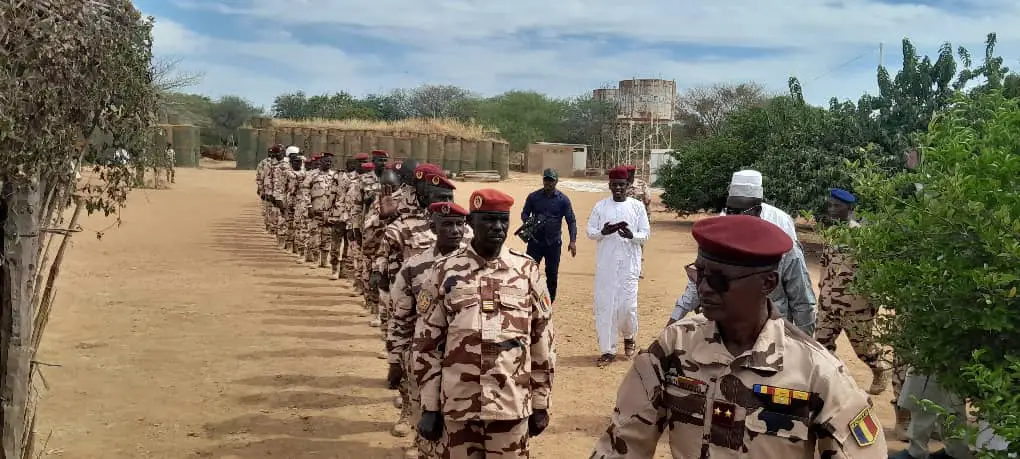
[
  {"x": 320, "y": 190},
  {"x": 292, "y": 194},
  {"x": 639, "y": 190},
  {"x": 340, "y": 214},
  {"x": 300, "y": 214},
  {"x": 261, "y": 175},
  {"x": 279, "y": 173},
  {"x": 777, "y": 400},
  {"x": 483, "y": 350},
  {"x": 406, "y": 198},
  {"x": 407, "y": 236},
  {"x": 371, "y": 231},
  {"x": 361, "y": 187}
]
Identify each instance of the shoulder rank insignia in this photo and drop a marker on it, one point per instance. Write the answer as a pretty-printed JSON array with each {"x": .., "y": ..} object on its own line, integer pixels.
[
  {"x": 865, "y": 428},
  {"x": 780, "y": 395},
  {"x": 686, "y": 383},
  {"x": 424, "y": 301}
]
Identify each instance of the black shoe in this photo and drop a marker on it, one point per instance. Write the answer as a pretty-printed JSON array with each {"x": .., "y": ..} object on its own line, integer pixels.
[
  {"x": 605, "y": 359},
  {"x": 629, "y": 348}
]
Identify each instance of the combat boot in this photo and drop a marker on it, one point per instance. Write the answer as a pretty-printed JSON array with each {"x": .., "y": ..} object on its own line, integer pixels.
[
  {"x": 323, "y": 258},
  {"x": 403, "y": 426},
  {"x": 335, "y": 275},
  {"x": 295, "y": 247},
  {"x": 880, "y": 378},
  {"x": 902, "y": 421},
  {"x": 280, "y": 241}
]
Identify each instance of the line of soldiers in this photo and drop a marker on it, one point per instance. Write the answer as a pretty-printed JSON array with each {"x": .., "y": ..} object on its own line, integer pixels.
[{"x": 466, "y": 322}]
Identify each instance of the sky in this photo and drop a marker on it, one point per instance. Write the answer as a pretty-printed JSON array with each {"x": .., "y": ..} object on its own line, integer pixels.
[{"x": 259, "y": 49}]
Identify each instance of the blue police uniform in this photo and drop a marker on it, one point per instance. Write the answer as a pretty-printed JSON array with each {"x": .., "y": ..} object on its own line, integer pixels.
[{"x": 546, "y": 237}]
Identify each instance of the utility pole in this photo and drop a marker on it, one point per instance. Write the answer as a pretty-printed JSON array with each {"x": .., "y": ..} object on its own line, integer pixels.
[{"x": 880, "y": 54}]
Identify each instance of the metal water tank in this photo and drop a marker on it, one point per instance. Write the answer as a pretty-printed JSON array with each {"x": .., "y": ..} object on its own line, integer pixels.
[{"x": 647, "y": 99}]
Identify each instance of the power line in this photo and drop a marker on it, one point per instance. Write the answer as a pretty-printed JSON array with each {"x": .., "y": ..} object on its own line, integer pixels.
[{"x": 844, "y": 64}]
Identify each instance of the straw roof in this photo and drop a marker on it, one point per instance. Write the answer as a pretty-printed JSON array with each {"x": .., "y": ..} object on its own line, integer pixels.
[{"x": 440, "y": 126}]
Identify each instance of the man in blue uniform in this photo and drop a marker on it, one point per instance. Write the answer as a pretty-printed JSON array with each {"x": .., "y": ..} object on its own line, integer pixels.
[{"x": 548, "y": 207}]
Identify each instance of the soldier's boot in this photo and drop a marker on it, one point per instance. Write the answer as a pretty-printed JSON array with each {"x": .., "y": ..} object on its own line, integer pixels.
[
  {"x": 336, "y": 274},
  {"x": 280, "y": 241},
  {"x": 902, "y": 421},
  {"x": 880, "y": 379},
  {"x": 403, "y": 426},
  {"x": 323, "y": 258}
]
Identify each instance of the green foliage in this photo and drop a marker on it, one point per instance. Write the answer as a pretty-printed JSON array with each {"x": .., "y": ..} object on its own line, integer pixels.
[
  {"x": 522, "y": 117},
  {"x": 698, "y": 176},
  {"x": 946, "y": 258}
]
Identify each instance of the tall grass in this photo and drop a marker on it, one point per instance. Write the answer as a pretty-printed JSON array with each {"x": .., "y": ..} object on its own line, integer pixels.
[{"x": 439, "y": 126}]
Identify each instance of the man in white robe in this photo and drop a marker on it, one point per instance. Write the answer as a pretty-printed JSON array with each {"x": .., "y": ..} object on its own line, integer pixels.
[
  {"x": 794, "y": 297},
  {"x": 620, "y": 225}
]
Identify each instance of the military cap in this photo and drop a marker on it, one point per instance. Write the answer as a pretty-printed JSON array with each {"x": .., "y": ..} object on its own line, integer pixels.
[
  {"x": 391, "y": 166},
  {"x": 316, "y": 157},
  {"x": 490, "y": 200},
  {"x": 367, "y": 166},
  {"x": 439, "y": 180},
  {"x": 741, "y": 240},
  {"x": 276, "y": 148},
  {"x": 618, "y": 172},
  {"x": 447, "y": 208},
  {"x": 843, "y": 195},
  {"x": 380, "y": 154},
  {"x": 293, "y": 150},
  {"x": 425, "y": 168},
  {"x": 361, "y": 156}
]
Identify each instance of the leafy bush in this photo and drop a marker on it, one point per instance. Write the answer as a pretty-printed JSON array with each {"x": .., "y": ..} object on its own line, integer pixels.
[{"x": 947, "y": 258}]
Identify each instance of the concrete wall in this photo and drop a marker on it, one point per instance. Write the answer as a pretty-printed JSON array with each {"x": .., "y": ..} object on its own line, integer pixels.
[{"x": 559, "y": 157}]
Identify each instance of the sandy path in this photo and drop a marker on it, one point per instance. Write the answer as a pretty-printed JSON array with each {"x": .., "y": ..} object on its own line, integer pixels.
[{"x": 185, "y": 333}]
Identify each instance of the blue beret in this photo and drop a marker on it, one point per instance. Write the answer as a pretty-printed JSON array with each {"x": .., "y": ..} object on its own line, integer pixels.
[{"x": 843, "y": 195}]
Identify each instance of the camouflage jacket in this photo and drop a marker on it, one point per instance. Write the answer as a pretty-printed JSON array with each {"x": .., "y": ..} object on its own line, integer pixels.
[
  {"x": 261, "y": 173},
  {"x": 782, "y": 398},
  {"x": 338, "y": 211},
  {"x": 279, "y": 174},
  {"x": 404, "y": 294},
  {"x": 409, "y": 235},
  {"x": 838, "y": 269},
  {"x": 300, "y": 196},
  {"x": 407, "y": 199},
  {"x": 483, "y": 346},
  {"x": 639, "y": 190},
  {"x": 364, "y": 185},
  {"x": 320, "y": 190},
  {"x": 293, "y": 188}
]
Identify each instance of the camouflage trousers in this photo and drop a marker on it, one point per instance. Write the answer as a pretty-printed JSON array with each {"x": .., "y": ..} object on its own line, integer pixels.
[
  {"x": 336, "y": 242},
  {"x": 858, "y": 321},
  {"x": 287, "y": 230},
  {"x": 265, "y": 214},
  {"x": 411, "y": 398},
  {"x": 385, "y": 310},
  {"x": 355, "y": 263},
  {"x": 300, "y": 229},
  {"x": 371, "y": 294},
  {"x": 485, "y": 439},
  {"x": 273, "y": 218},
  {"x": 325, "y": 235},
  {"x": 312, "y": 230}
]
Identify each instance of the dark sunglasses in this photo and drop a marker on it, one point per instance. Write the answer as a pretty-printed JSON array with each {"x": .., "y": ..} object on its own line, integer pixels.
[{"x": 718, "y": 281}]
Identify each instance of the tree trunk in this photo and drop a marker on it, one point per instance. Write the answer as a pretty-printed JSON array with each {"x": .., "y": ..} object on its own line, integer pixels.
[{"x": 19, "y": 208}]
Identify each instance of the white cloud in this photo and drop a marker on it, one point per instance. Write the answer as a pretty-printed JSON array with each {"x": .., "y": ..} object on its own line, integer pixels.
[{"x": 488, "y": 46}]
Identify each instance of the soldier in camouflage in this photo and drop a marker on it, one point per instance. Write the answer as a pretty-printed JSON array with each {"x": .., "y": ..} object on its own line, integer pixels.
[
  {"x": 320, "y": 189},
  {"x": 362, "y": 194},
  {"x": 637, "y": 188},
  {"x": 840, "y": 310},
  {"x": 372, "y": 233},
  {"x": 739, "y": 381},
  {"x": 406, "y": 236},
  {"x": 405, "y": 199},
  {"x": 483, "y": 347},
  {"x": 446, "y": 224},
  {"x": 279, "y": 192},
  {"x": 291, "y": 197},
  {"x": 301, "y": 201},
  {"x": 339, "y": 215},
  {"x": 308, "y": 225},
  {"x": 263, "y": 184}
]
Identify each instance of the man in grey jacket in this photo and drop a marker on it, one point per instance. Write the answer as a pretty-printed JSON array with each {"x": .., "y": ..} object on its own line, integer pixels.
[{"x": 793, "y": 297}]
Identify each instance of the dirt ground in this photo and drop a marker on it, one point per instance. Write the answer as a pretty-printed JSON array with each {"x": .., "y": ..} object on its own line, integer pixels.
[{"x": 184, "y": 333}]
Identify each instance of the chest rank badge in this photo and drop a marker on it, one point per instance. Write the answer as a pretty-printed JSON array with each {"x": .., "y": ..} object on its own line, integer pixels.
[
  {"x": 865, "y": 428},
  {"x": 424, "y": 301},
  {"x": 723, "y": 413},
  {"x": 683, "y": 382},
  {"x": 780, "y": 395}
]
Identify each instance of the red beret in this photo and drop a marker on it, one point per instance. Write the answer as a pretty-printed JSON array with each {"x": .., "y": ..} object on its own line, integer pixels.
[
  {"x": 276, "y": 148},
  {"x": 490, "y": 200},
  {"x": 439, "y": 180},
  {"x": 367, "y": 166},
  {"x": 361, "y": 156},
  {"x": 630, "y": 168},
  {"x": 741, "y": 240},
  {"x": 425, "y": 168},
  {"x": 380, "y": 154},
  {"x": 618, "y": 172},
  {"x": 447, "y": 208}
]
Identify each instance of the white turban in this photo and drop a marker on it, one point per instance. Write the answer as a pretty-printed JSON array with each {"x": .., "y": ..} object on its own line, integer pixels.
[
  {"x": 747, "y": 183},
  {"x": 292, "y": 150}
]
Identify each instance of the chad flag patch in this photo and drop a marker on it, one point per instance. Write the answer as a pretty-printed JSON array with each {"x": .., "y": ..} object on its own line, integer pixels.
[
  {"x": 781, "y": 395},
  {"x": 865, "y": 428}
]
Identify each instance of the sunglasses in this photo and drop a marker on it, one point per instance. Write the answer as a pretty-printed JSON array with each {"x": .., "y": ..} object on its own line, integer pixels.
[
  {"x": 740, "y": 211},
  {"x": 719, "y": 282}
]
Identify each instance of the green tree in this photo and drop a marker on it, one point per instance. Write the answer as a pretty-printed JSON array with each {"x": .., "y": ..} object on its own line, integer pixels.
[
  {"x": 291, "y": 106},
  {"x": 702, "y": 111},
  {"x": 523, "y": 117},
  {"x": 947, "y": 259},
  {"x": 228, "y": 114},
  {"x": 438, "y": 101},
  {"x": 389, "y": 107}
]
